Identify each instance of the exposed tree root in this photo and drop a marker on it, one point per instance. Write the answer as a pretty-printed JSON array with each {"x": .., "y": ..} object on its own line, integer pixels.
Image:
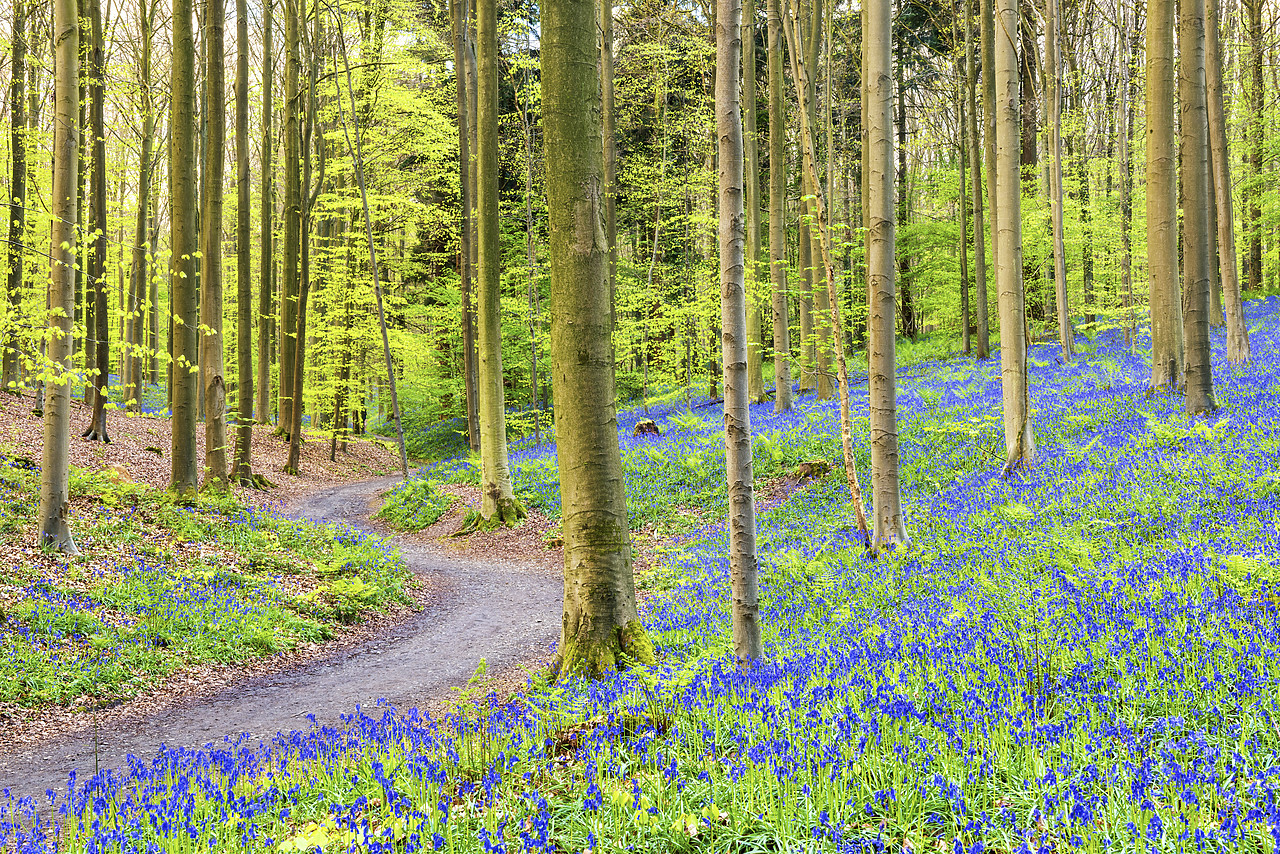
[{"x": 593, "y": 657}]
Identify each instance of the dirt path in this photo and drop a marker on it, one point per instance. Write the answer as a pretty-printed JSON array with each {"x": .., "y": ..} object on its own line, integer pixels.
[{"x": 502, "y": 613}]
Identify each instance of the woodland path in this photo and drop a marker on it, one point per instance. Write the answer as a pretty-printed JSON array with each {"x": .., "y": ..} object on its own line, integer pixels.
[{"x": 499, "y": 612}]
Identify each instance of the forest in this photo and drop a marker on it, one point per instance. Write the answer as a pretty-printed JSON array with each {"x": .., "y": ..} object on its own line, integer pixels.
[{"x": 575, "y": 427}]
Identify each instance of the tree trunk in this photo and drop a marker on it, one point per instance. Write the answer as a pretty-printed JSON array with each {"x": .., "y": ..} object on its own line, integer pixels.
[
  {"x": 1162, "y": 201},
  {"x": 975, "y": 164},
  {"x": 989, "y": 117},
  {"x": 292, "y": 216},
  {"x": 1255, "y": 138},
  {"x": 55, "y": 529},
  {"x": 211, "y": 369},
  {"x": 1019, "y": 441},
  {"x": 600, "y": 629},
  {"x": 910, "y": 325},
  {"x": 751, "y": 180},
  {"x": 184, "y": 469},
  {"x": 1197, "y": 243},
  {"x": 243, "y": 468},
  {"x": 1127, "y": 55},
  {"x": 141, "y": 274},
  {"x": 1238, "y": 349},
  {"x": 461, "y": 52},
  {"x": 777, "y": 222},
  {"x": 1053, "y": 104},
  {"x": 96, "y": 281},
  {"x": 498, "y": 502},
  {"x": 266, "y": 311},
  {"x": 743, "y": 560},
  {"x": 962, "y": 157},
  {"x": 10, "y": 373},
  {"x": 609, "y": 135}
]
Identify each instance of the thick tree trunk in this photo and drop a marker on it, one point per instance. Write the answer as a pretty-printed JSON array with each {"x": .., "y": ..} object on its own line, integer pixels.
[
  {"x": 184, "y": 469},
  {"x": 1162, "y": 202},
  {"x": 777, "y": 208},
  {"x": 1053, "y": 105},
  {"x": 266, "y": 311},
  {"x": 211, "y": 367},
  {"x": 1238, "y": 349},
  {"x": 743, "y": 560},
  {"x": 979, "y": 224},
  {"x": 498, "y": 502},
  {"x": 243, "y": 467},
  {"x": 55, "y": 530},
  {"x": 1197, "y": 242},
  {"x": 1019, "y": 441},
  {"x": 751, "y": 179},
  {"x": 10, "y": 373}
]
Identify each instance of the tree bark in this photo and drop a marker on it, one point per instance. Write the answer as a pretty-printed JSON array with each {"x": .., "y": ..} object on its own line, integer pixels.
[
  {"x": 10, "y": 372},
  {"x": 1128, "y": 54},
  {"x": 1197, "y": 243},
  {"x": 498, "y": 502},
  {"x": 55, "y": 530},
  {"x": 289, "y": 282},
  {"x": 97, "y": 266},
  {"x": 600, "y": 629},
  {"x": 184, "y": 469},
  {"x": 1255, "y": 138},
  {"x": 962, "y": 158},
  {"x": 1162, "y": 202},
  {"x": 751, "y": 179},
  {"x": 266, "y": 271},
  {"x": 141, "y": 273},
  {"x": 243, "y": 468},
  {"x": 1053, "y": 103},
  {"x": 461, "y": 63},
  {"x": 777, "y": 209},
  {"x": 987, "y": 12},
  {"x": 1238, "y": 349},
  {"x": 211, "y": 368},
  {"x": 743, "y": 560},
  {"x": 1019, "y": 441}
]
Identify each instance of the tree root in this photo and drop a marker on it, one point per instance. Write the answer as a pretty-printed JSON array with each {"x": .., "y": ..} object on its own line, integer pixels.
[
  {"x": 510, "y": 512},
  {"x": 594, "y": 657},
  {"x": 249, "y": 480}
]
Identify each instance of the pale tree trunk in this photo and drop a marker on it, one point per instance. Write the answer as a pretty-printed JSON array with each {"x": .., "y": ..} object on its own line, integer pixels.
[
  {"x": 888, "y": 524},
  {"x": 609, "y": 135},
  {"x": 498, "y": 502},
  {"x": 55, "y": 530},
  {"x": 461, "y": 63},
  {"x": 755, "y": 312},
  {"x": 184, "y": 468},
  {"x": 743, "y": 560},
  {"x": 1053, "y": 99},
  {"x": 1238, "y": 349},
  {"x": 777, "y": 222},
  {"x": 1019, "y": 442},
  {"x": 975, "y": 167},
  {"x": 1197, "y": 242},
  {"x": 10, "y": 373},
  {"x": 266, "y": 311},
  {"x": 600, "y": 628},
  {"x": 1162, "y": 202},
  {"x": 96, "y": 281},
  {"x": 987, "y": 13},
  {"x": 287, "y": 341},
  {"x": 211, "y": 369},
  {"x": 243, "y": 468}
]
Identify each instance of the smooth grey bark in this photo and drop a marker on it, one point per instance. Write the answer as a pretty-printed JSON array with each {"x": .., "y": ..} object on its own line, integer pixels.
[
  {"x": 242, "y": 469},
  {"x": 751, "y": 203},
  {"x": 184, "y": 469},
  {"x": 286, "y": 329},
  {"x": 1197, "y": 243},
  {"x": 777, "y": 209},
  {"x": 975, "y": 168},
  {"x": 461, "y": 64},
  {"x": 600, "y": 627},
  {"x": 987, "y": 13},
  {"x": 55, "y": 529},
  {"x": 1162, "y": 202},
  {"x": 1053, "y": 98},
  {"x": 266, "y": 271},
  {"x": 743, "y": 560},
  {"x": 141, "y": 272},
  {"x": 211, "y": 365},
  {"x": 10, "y": 373},
  {"x": 97, "y": 288}
]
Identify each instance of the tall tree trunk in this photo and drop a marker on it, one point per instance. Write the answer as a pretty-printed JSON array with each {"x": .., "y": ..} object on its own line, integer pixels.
[
  {"x": 1238, "y": 349},
  {"x": 804, "y": 252},
  {"x": 97, "y": 266},
  {"x": 243, "y": 467},
  {"x": 1053, "y": 104},
  {"x": 600, "y": 628},
  {"x": 288, "y": 321},
  {"x": 141, "y": 275},
  {"x": 1128, "y": 54},
  {"x": 975, "y": 164},
  {"x": 1029, "y": 158},
  {"x": 777, "y": 209},
  {"x": 498, "y": 502},
  {"x": 910, "y": 325},
  {"x": 55, "y": 529},
  {"x": 1162, "y": 201},
  {"x": 1019, "y": 442},
  {"x": 1255, "y": 138},
  {"x": 10, "y": 374},
  {"x": 184, "y": 469},
  {"x": 962, "y": 157},
  {"x": 610, "y": 139},
  {"x": 1080, "y": 156},
  {"x": 211, "y": 368},
  {"x": 751, "y": 179},
  {"x": 888, "y": 524},
  {"x": 266, "y": 270},
  {"x": 1197, "y": 243},
  {"x": 987, "y": 10},
  {"x": 461, "y": 64},
  {"x": 743, "y": 560}
]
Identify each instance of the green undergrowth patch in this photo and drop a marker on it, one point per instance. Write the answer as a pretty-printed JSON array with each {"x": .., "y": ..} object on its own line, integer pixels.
[
  {"x": 160, "y": 586},
  {"x": 414, "y": 504}
]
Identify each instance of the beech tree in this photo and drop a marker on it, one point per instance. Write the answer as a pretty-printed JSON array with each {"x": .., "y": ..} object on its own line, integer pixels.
[
  {"x": 1162, "y": 202},
  {"x": 777, "y": 208},
  {"x": 211, "y": 365},
  {"x": 184, "y": 471},
  {"x": 1197, "y": 243}
]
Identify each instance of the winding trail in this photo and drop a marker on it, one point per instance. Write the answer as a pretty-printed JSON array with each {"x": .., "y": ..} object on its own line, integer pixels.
[{"x": 501, "y": 613}]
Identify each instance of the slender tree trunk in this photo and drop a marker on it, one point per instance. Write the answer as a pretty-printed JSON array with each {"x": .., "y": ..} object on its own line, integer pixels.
[
  {"x": 288, "y": 320},
  {"x": 755, "y": 312},
  {"x": 1162, "y": 201},
  {"x": 1128, "y": 53},
  {"x": 1019, "y": 441},
  {"x": 963, "y": 155},
  {"x": 987, "y": 12},
  {"x": 777, "y": 209},
  {"x": 1053, "y": 103},
  {"x": 498, "y": 502},
  {"x": 55, "y": 529},
  {"x": 808, "y": 353},
  {"x": 461, "y": 51},
  {"x": 243, "y": 468},
  {"x": 1197, "y": 243},
  {"x": 743, "y": 560},
  {"x": 10, "y": 373},
  {"x": 211, "y": 368},
  {"x": 141, "y": 275},
  {"x": 96, "y": 282},
  {"x": 608, "y": 116},
  {"x": 1238, "y": 349},
  {"x": 184, "y": 469},
  {"x": 600, "y": 624},
  {"x": 975, "y": 164},
  {"x": 266, "y": 311},
  {"x": 1255, "y": 138}
]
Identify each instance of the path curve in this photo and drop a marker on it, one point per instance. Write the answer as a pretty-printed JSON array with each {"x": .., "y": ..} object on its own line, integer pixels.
[{"x": 501, "y": 613}]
